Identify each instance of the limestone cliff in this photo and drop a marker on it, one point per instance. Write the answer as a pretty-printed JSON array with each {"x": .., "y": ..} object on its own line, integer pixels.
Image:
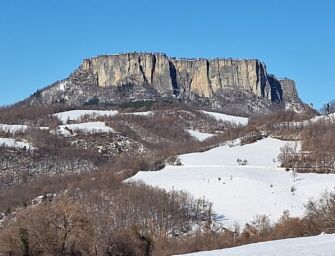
[
  {"x": 290, "y": 93},
  {"x": 201, "y": 77},
  {"x": 223, "y": 84}
]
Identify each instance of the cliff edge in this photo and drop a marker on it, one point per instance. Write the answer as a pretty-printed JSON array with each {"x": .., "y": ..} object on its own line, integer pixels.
[{"x": 232, "y": 85}]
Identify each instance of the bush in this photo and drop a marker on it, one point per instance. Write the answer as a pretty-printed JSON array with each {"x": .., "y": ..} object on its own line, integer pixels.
[
  {"x": 94, "y": 218},
  {"x": 321, "y": 213},
  {"x": 56, "y": 228},
  {"x": 93, "y": 101}
]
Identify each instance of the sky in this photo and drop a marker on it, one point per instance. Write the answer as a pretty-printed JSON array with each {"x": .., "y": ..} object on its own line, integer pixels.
[{"x": 44, "y": 41}]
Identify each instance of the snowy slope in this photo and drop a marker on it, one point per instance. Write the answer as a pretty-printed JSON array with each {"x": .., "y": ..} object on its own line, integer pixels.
[
  {"x": 229, "y": 118},
  {"x": 12, "y": 143},
  {"x": 200, "y": 135},
  {"x": 88, "y": 127},
  {"x": 329, "y": 117},
  {"x": 241, "y": 192},
  {"x": 322, "y": 245},
  {"x": 13, "y": 128},
  {"x": 75, "y": 115},
  {"x": 145, "y": 113}
]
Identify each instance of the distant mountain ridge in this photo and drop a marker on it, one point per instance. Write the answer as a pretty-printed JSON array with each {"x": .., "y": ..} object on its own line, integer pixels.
[{"x": 236, "y": 85}]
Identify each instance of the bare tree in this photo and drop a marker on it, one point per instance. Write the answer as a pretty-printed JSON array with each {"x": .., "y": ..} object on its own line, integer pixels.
[{"x": 328, "y": 108}]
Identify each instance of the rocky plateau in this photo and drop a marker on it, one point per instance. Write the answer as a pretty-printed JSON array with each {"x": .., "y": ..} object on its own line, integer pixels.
[{"x": 229, "y": 85}]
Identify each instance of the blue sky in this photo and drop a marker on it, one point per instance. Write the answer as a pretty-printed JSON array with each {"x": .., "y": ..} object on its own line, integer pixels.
[{"x": 43, "y": 41}]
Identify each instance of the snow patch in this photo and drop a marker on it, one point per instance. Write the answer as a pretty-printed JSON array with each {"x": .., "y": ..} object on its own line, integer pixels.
[
  {"x": 88, "y": 127},
  {"x": 13, "y": 143},
  {"x": 75, "y": 115},
  {"x": 200, "y": 135},
  {"x": 329, "y": 117},
  {"x": 301, "y": 124},
  {"x": 62, "y": 86},
  {"x": 302, "y": 246},
  {"x": 227, "y": 118},
  {"x": 13, "y": 128},
  {"x": 145, "y": 113}
]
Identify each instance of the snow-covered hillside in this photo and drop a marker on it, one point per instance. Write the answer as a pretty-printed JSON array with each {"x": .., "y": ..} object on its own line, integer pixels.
[
  {"x": 88, "y": 127},
  {"x": 75, "y": 115},
  {"x": 13, "y": 143},
  {"x": 200, "y": 135},
  {"x": 229, "y": 118},
  {"x": 144, "y": 113},
  {"x": 329, "y": 117},
  {"x": 322, "y": 245},
  {"x": 240, "y": 192},
  {"x": 13, "y": 128}
]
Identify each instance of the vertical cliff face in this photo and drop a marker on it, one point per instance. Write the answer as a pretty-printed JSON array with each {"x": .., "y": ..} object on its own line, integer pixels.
[
  {"x": 240, "y": 86},
  {"x": 180, "y": 77},
  {"x": 132, "y": 68},
  {"x": 290, "y": 93}
]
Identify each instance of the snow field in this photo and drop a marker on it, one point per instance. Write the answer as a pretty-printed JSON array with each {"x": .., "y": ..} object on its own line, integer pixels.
[
  {"x": 238, "y": 192},
  {"x": 322, "y": 245},
  {"x": 13, "y": 143},
  {"x": 88, "y": 127},
  {"x": 13, "y": 128},
  {"x": 75, "y": 115},
  {"x": 229, "y": 118},
  {"x": 200, "y": 135}
]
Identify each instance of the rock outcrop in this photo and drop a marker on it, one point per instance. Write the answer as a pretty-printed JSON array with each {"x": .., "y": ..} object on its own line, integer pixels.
[
  {"x": 201, "y": 77},
  {"x": 224, "y": 84},
  {"x": 290, "y": 93}
]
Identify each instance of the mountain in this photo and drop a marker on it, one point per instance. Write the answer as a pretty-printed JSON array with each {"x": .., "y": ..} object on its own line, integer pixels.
[{"x": 231, "y": 85}]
